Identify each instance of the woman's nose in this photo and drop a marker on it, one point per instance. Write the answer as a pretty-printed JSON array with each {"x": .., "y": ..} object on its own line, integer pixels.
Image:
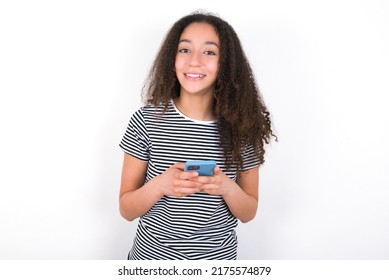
[{"x": 195, "y": 59}]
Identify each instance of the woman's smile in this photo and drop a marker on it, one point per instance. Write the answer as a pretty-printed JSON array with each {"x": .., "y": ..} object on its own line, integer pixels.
[{"x": 194, "y": 76}]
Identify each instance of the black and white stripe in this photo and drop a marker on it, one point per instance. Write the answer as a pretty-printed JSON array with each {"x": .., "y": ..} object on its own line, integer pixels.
[{"x": 199, "y": 226}]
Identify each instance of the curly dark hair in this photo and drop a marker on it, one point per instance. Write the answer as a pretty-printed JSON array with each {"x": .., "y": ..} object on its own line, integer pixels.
[{"x": 243, "y": 118}]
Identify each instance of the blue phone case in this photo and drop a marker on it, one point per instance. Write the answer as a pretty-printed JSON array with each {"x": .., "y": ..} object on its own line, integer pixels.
[{"x": 203, "y": 167}]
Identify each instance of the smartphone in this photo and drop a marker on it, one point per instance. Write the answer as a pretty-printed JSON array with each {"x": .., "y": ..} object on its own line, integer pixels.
[{"x": 203, "y": 167}]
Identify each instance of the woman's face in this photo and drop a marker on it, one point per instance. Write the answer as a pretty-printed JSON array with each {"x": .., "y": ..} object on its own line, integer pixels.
[{"x": 197, "y": 59}]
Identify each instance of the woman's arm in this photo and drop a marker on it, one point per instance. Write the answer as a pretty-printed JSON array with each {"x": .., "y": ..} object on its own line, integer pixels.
[
  {"x": 241, "y": 196},
  {"x": 242, "y": 199},
  {"x": 136, "y": 198}
]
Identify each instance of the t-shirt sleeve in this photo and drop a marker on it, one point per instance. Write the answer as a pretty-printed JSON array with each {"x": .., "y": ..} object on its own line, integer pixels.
[
  {"x": 250, "y": 159},
  {"x": 135, "y": 140}
]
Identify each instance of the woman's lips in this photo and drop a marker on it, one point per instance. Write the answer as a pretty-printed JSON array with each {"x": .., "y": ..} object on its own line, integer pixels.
[{"x": 194, "y": 76}]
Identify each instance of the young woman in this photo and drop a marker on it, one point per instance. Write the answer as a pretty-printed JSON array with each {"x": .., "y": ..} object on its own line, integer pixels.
[{"x": 202, "y": 104}]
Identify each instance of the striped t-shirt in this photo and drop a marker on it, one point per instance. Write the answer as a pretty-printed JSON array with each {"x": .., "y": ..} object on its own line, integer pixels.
[{"x": 198, "y": 226}]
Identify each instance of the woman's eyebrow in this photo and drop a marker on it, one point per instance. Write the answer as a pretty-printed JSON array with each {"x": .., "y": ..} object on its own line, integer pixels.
[
  {"x": 212, "y": 43},
  {"x": 206, "y": 42}
]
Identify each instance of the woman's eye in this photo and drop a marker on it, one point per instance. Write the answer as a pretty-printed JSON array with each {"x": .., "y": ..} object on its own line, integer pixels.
[
  {"x": 183, "y": 50},
  {"x": 209, "y": 53}
]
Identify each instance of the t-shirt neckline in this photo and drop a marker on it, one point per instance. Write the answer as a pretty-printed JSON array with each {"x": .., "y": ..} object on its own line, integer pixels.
[{"x": 188, "y": 118}]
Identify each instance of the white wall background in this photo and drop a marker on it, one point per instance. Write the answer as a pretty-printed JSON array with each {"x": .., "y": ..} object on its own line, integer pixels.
[{"x": 70, "y": 77}]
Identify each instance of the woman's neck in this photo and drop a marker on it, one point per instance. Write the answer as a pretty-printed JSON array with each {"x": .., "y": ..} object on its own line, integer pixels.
[{"x": 196, "y": 107}]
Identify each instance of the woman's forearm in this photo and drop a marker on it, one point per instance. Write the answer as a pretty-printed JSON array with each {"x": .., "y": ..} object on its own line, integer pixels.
[
  {"x": 136, "y": 203},
  {"x": 242, "y": 205}
]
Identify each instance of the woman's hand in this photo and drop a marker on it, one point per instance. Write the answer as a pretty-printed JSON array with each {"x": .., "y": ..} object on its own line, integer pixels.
[
  {"x": 136, "y": 198},
  {"x": 175, "y": 182},
  {"x": 218, "y": 184},
  {"x": 241, "y": 196}
]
